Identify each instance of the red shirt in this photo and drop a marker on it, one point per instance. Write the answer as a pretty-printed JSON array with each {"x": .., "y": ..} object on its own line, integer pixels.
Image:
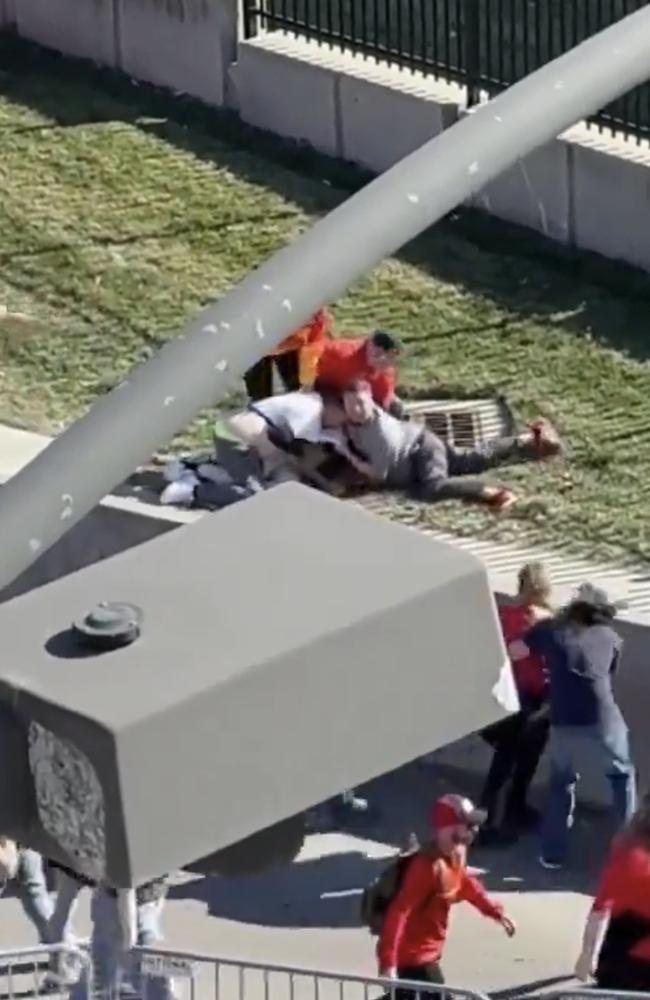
[
  {"x": 624, "y": 888},
  {"x": 415, "y": 927},
  {"x": 344, "y": 361},
  {"x": 529, "y": 673}
]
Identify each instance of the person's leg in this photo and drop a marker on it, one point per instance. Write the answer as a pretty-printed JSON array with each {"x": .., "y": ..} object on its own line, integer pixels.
[
  {"x": 61, "y": 925},
  {"x": 106, "y": 946},
  {"x": 560, "y": 805},
  {"x": 289, "y": 367},
  {"x": 33, "y": 892},
  {"x": 533, "y": 739},
  {"x": 432, "y": 475},
  {"x": 428, "y": 973},
  {"x": 620, "y": 771},
  {"x": 538, "y": 442},
  {"x": 259, "y": 380},
  {"x": 149, "y": 935},
  {"x": 503, "y": 737}
]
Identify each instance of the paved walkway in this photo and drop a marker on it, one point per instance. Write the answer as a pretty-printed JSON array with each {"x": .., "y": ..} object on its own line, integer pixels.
[{"x": 306, "y": 915}]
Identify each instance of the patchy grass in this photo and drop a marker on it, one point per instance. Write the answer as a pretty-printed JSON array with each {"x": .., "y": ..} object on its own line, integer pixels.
[{"x": 123, "y": 211}]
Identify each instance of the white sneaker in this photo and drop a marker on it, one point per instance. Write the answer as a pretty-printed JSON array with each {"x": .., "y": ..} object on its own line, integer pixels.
[{"x": 181, "y": 492}]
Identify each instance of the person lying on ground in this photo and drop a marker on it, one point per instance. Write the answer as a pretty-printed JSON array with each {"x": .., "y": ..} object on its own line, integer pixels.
[
  {"x": 518, "y": 740},
  {"x": 294, "y": 436},
  {"x": 407, "y": 455},
  {"x": 371, "y": 359},
  {"x": 414, "y": 930},
  {"x": 295, "y": 358}
]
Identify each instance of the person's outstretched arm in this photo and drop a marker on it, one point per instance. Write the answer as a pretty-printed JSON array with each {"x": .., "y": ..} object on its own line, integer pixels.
[{"x": 473, "y": 892}]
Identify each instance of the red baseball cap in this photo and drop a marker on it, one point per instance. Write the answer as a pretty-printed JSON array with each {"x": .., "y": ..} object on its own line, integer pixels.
[{"x": 456, "y": 810}]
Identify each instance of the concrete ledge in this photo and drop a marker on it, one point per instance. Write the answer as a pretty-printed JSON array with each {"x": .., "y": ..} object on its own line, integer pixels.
[
  {"x": 340, "y": 103},
  {"x": 285, "y": 86},
  {"x": 611, "y": 198},
  {"x": 83, "y": 28},
  {"x": 186, "y": 46},
  {"x": 121, "y": 522}
]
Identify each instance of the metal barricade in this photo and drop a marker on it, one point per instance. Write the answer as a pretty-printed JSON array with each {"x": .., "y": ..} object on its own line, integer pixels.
[
  {"x": 205, "y": 977},
  {"x": 39, "y": 971},
  {"x": 593, "y": 993}
]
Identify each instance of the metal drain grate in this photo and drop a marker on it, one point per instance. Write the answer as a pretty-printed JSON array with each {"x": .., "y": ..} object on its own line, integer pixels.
[{"x": 464, "y": 423}]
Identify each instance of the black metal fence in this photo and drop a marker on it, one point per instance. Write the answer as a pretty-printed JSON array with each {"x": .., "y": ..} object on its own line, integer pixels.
[{"x": 484, "y": 45}]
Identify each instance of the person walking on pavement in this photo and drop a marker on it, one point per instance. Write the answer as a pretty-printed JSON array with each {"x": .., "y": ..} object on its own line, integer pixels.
[
  {"x": 616, "y": 942},
  {"x": 581, "y": 651},
  {"x": 520, "y": 739},
  {"x": 414, "y": 930},
  {"x": 28, "y": 873}
]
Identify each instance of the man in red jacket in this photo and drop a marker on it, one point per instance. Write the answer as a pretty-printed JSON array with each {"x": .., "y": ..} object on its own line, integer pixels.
[{"x": 415, "y": 928}]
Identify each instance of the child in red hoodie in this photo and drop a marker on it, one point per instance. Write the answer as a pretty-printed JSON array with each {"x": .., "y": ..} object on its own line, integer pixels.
[{"x": 415, "y": 927}]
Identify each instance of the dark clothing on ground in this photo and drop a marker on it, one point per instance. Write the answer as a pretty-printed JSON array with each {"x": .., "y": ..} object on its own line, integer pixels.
[
  {"x": 406, "y": 455},
  {"x": 441, "y": 471},
  {"x": 259, "y": 378},
  {"x": 519, "y": 742},
  {"x": 581, "y": 662}
]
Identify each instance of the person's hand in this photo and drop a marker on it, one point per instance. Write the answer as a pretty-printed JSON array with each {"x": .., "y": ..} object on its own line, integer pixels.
[
  {"x": 508, "y": 925},
  {"x": 389, "y": 973},
  {"x": 499, "y": 498},
  {"x": 584, "y": 969}
]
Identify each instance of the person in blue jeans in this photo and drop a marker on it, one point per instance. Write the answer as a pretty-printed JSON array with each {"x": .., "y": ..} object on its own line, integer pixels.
[{"x": 581, "y": 651}]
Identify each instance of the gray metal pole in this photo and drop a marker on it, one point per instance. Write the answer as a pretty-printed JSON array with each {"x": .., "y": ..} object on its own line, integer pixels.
[{"x": 193, "y": 370}]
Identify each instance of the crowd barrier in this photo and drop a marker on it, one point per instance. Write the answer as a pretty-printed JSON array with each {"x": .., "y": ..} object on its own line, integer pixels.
[{"x": 32, "y": 972}]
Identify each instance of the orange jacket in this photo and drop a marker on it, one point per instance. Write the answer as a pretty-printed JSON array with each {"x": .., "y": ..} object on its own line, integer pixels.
[{"x": 308, "y": 341}]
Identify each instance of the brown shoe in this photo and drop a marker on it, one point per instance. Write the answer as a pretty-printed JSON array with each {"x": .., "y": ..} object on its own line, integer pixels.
[{"x": 546, "y": 441}]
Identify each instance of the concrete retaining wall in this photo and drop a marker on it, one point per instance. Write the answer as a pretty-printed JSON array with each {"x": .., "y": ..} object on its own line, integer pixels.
[
  {"x": 120, "y": 523},
  {"x": 83, "y": 28},
  {"x": 185, "y": 45},
  {"x": 584, "y": 190}
]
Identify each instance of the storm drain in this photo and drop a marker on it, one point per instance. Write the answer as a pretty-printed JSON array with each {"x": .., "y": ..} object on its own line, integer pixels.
[{"x": 466, "y": 423}]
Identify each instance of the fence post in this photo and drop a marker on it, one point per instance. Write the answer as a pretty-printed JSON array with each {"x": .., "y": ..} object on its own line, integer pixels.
[{"x": 472, "y": 50}]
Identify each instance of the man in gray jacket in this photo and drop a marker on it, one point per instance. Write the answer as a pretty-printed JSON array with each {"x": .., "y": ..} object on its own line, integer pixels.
[{"x": 407, "y": 455}]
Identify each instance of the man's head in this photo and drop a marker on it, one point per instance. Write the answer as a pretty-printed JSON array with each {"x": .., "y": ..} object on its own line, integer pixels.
[
  {"x": 358, "y": 403},
  {"x": 383, "y": 350},
  {"x": 455, "y": 822}
]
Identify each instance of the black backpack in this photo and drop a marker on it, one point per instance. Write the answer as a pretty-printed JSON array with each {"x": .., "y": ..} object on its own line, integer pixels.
[{"x": 378, "y": 896}]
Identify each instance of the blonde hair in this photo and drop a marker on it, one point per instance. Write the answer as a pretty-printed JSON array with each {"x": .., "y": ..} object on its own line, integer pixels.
[{"x": 535, "y": 584}]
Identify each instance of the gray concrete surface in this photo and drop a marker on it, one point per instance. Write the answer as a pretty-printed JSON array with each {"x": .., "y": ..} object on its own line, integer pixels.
[{"x": 306, "y": 915}]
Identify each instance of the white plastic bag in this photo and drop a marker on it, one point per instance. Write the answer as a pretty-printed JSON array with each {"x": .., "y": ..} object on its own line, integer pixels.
[
  {"x": 505, "y": 689},
  {"x": 8, "y": 859}
]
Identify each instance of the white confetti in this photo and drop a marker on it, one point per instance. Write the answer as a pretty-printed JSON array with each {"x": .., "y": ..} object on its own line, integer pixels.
[
  {"x": 224, "y": 325},
  {"x": 474, "y": 167},
  {"x": 413, "y": 198},
  {"x": 210, "y": 328},
  {"x": 68, "y": 504},
  {"x": 221, "y": 366},
  {"x": 122, "y": 385},
  {"x": 558, "y": 85},
  {"x": 259, "y": 329},
  {"x": 266, "y": 288},
  {"x": 169, "y": 400},
  {"x": 35, "y": 544},
  {"x": 286, "y": 304},
  {"x": 498, "y": 118}
]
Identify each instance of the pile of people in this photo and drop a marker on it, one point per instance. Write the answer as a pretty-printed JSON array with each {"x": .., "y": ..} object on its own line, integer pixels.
[{"x": 341, "y": 427}]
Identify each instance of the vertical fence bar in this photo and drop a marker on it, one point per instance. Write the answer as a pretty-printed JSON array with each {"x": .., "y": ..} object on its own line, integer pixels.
[{"x": 472, "y": 40}]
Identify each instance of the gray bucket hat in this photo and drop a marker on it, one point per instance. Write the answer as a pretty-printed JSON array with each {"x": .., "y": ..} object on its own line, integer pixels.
[{"x": 109, "y": 625}]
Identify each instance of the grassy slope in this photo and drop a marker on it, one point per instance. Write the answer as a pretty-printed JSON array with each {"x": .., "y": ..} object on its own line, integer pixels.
[{"x": 123, "y": 211}]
